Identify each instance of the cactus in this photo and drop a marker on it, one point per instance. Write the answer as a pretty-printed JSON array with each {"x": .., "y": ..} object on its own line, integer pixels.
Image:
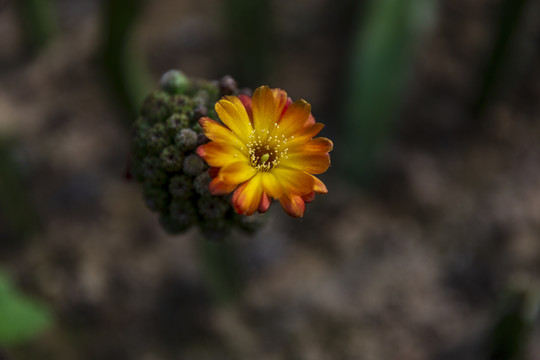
[{"x": 175, "y": 179}]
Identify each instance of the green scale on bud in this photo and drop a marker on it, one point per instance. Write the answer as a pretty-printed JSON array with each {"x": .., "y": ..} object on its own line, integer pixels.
[{"x": 164, "y": 159}]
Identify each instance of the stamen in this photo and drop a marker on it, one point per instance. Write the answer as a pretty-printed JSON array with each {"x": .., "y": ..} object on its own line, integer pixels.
[{"x": 264, "y": 149}]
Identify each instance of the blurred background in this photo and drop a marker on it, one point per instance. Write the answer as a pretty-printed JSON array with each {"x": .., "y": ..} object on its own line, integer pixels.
[{"x": 426, "y": 247}]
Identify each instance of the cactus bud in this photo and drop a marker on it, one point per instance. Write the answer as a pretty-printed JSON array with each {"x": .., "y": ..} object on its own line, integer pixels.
[
  {"x": 194, "y": 165},
  {"x": 150, "y": 171},
  {"x": 157, "y": 138},
  {"x": 183, "y": 212},
  {"x": 180, "y": 104},
  {"x": 227, "y": 85},
  {"x": 171, "y": 159},
  {"x": 154, "y": 108},
  {"x": 156, "y": 198},
  {"x": 176, "y": 122},
  {"x": 201, "y": 183},
  {"x": 199, "y": 112},
  {"x": 174, "y": 82},
  {"x": 181, "y": 186},
  {"x": 212, "y": 207},
  {"x": 186, "y": 139}
]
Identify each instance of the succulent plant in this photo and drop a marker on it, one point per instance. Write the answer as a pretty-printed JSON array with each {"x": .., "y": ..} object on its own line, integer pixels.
[{"x": 164, "y": 159}]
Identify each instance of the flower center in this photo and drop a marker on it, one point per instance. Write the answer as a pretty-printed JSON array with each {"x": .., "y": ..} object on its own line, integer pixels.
[{"x": 265, "y": 150}]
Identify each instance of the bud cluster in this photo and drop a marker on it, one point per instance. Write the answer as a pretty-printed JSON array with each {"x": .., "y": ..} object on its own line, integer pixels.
[{"x": 175, "y": 179}]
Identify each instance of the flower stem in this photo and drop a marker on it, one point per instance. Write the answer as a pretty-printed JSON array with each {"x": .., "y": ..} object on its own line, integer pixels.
[{"x": 221, "y": 270}]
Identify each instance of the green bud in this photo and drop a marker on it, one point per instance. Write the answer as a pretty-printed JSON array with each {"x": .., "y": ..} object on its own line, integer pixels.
[
  {"x": 177, "y": 122},
  {"x": 171, "y": 159},
  {"x": 186, "y": 139},
  {"x": 156, "y": 198},
  {"x": 213, "y": 207},
  {"x": 155, "y": 107},
  {"x": 201, "y": 183},
  {"x": 174, "y": 82},
  {"x": 150, "y": 171},
  {"x": 157, "y": 138},
  {"x": 194, "y": 165},
  {"x": 181, "y": 186}
]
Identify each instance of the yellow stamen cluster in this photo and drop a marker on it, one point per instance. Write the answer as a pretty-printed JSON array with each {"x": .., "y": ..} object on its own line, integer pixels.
[{"x": 265, "y": 150}]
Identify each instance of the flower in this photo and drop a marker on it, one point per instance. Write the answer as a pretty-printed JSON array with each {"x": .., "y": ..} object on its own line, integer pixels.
[{"x": 265, "y": 149}]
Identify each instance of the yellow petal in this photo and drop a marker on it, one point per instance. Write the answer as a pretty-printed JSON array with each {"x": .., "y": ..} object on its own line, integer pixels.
[
  {"x": 267, "y": 107},
  {"x": 219, "y": 154},
  {"x": 233, "y": 114},
  {"x": 293, "y": 181},
  {"x": 217, "y": 132},
  {"x": 318, "y": 145},
  {"x": 236, "y": 173},
  {"x": 247, "y": 197},
  {"x": 304, "y": 135},
  {"x": 294, "y": 117},
  {"x": 218, "y": 187},
  {"x": 313, "y": 163},
  {"x": 271, "y": 185},
  {"x": 318, "y": 186},
  {"x": 294, "y": 205}
]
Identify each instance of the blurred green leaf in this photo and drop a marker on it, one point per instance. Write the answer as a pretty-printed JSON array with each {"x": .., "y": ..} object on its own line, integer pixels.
[
  {"x": 38, "y": 22},
  {"x": 21, "y": 318},
  {"x": 503, "y": 60},
  {"x": 381, "y": 58},
  {"x": 125, "y": 69},
  {"x": 514, "y": 325},
  {"x": 250, "y": 29}
]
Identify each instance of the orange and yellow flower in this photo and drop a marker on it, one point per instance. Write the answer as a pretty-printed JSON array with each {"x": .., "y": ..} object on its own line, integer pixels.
[{"x": 265, "y": 149}]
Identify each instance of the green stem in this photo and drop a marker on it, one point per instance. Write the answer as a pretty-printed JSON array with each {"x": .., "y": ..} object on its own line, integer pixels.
[{"x": 221, "y": 270}]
